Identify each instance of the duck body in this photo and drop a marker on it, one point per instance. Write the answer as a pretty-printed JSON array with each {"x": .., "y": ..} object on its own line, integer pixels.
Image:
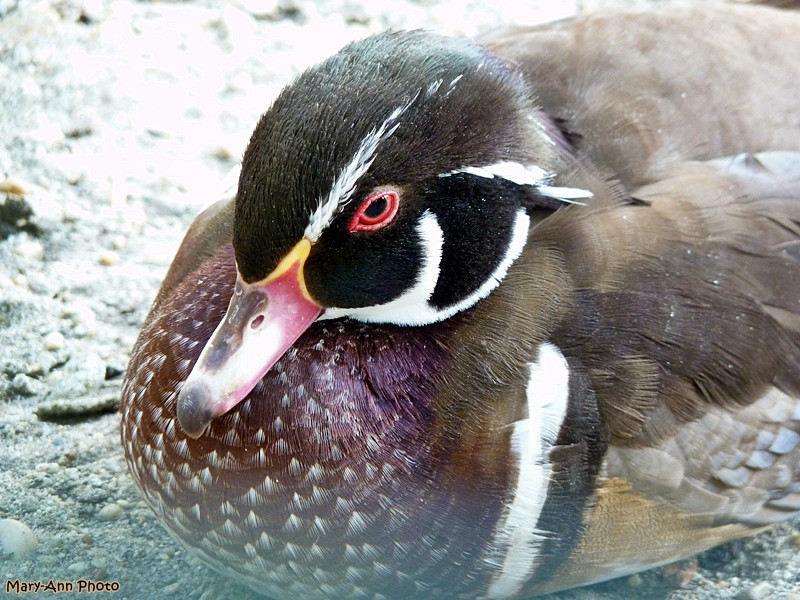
[{"x": 548, "y": 295}]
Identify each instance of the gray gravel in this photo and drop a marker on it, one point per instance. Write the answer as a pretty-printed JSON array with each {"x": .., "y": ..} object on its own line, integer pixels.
[{"x": 118, "y": 122}]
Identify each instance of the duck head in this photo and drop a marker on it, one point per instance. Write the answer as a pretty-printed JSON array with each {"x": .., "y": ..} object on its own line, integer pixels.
[{"x": 396, "y": 182}]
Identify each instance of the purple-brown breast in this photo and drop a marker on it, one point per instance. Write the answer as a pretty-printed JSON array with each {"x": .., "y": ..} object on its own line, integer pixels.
[{"x": 324, "y": 481}]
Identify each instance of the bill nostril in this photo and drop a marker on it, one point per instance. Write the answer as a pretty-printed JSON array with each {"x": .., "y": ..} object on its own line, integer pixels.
[{"x": 256, "y": 323}]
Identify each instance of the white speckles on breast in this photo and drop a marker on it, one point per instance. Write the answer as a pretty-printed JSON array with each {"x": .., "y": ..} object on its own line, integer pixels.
[
  {"x": 253, "y": 521},
  {"x": 266, "y": 541},
  {"x": 252, "y": 498},
  {"x": 295, "y": 473},
  {"x": 318, "y": 553},
  {"x": 294, "y": 551},
  {"x": 226, "y": 509},
  {"x": 387, "y": 470},
  {"x": 294, "y": 468},
  {"x": 343, "y": 507},
  {"x": 313, "y": 407},
  {"x": 280, "y": 447},
  {"x": 250, "y": 550},
  {"x": 351, "y": 553},
  {"x": 293, "y": 523},
  {"x": 319, "y": 496},
  {"x": 260, "y": 459},
  {"x": 321, "y": 525},
  {"x": 195, "y": 485},
  {"x": 268, "y": 486},
  {"x": 232, "y": 530},
  {"x": 231, "y": 438},
  {"x": 258, "y": 438},
  {"x": 357, "y": 523},
  {"x": 315, "y": 473},
  {"x": 349, "y": 475},
  {"x": 182, "y": 449},
  {"x": 356, "y": 574},
  {"x": 205, "y": 476},
  {"x": 298, "y": 503}
]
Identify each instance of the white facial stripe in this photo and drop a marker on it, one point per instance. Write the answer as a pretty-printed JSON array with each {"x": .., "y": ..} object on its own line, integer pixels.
[
  {"x": 569, "y": 195},
  {"x": 525, "y": 175},
  {"x": 345, "y": 182},
  {"x": 412, "y": 307},
  {"x": 516, "y": 537},
  {"x": 433, "y": 87},
  {"x": 512, "y": 171}
]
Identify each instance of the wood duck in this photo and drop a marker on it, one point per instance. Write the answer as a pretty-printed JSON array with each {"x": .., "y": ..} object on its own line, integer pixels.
[{"x": 489, "y": 321}]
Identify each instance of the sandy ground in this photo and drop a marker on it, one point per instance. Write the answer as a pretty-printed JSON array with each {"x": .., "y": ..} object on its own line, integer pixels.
[{"x": 118, "y": 122}]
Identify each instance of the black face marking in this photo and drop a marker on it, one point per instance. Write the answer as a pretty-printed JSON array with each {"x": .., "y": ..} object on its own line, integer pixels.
[
  {"x": 373, "y": 267},
  {"x": 476, "y": 215}
]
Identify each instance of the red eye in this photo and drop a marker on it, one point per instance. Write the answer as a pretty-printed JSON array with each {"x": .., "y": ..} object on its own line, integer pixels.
[{"x": 378, "y": 210}]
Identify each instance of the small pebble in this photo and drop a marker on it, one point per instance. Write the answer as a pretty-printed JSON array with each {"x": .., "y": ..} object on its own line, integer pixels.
[
  {"x": 48, "y": 467},
  {"x": 109, "y": 258},
  {"x": 78, "y": 567},
  {"x": 82, "y": 316},
  {"x": 759, "y": 591},
  {"x": 14, "y": 186},
  {"x": 16, "y": 538},
  {"x": 634, "y": 580},
  {"x": 54, "y": 341},
  {"x": 26, "y": 386},
  {"x": 30, "y": 249},
  {"x": 111, "y": 512},
  {"x": 173, "y": 589}
]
